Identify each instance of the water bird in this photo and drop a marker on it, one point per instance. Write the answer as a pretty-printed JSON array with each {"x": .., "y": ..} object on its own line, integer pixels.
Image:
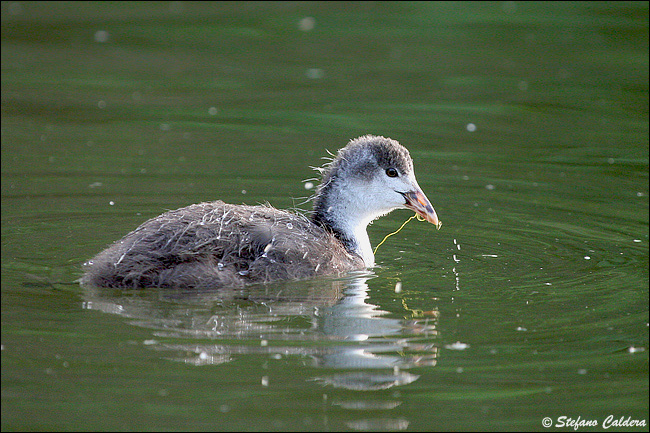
[{"x": 215, "y": 244}]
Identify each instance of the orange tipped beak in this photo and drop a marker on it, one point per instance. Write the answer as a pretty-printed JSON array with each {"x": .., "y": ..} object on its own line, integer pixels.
[{"x": 418, "y": 202}]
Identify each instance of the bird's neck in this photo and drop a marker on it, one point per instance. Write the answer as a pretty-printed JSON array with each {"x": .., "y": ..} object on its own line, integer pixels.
[{"x": 346, "y": 217}]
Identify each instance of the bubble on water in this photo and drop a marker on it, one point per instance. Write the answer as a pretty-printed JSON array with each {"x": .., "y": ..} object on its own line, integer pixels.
[
  {"x": 582, "y": 371},
  {"x": 471, "y": 127},
  {"x": 306, "y": 24},
  {"x": 490, "y": 187},
  {"x": 112, "y": 203},
  {"x": 457, "y": 346},
  {"x": 309, "y": 185},
  {"x": 521, "y": 329},
  {"x": 101, "y": 104},
  {"x": 315, "y": 73},
  {"x": 289, "y": 226},
  {"x": 587, "y": 258},
  {"x": 101, "y": 36},
  {"x": 212, "y": 111}
]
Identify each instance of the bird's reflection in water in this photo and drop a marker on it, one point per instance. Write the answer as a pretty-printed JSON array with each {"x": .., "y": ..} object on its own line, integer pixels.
[{"x": 340, "y": 329}]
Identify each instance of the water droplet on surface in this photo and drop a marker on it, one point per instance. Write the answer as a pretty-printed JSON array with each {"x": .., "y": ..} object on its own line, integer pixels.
[
  {"x": 306, "y": 24},
  {"x": 101, "y": 36},
  {"x": 457, "y": 346},
  {"x": 315, "y": 73}
]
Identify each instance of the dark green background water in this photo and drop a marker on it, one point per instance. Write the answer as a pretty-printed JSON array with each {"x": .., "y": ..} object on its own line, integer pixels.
[{"x": 528, "y": 125}]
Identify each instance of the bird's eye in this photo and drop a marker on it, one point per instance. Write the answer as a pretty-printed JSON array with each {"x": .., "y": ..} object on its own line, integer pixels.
[{"x": 391, "y": 172}]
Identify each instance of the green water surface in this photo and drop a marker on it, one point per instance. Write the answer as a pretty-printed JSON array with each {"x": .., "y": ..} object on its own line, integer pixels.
[{"x": 528, "y": 126}]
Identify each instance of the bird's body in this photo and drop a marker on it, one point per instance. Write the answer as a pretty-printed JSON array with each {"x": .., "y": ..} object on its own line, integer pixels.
[
  {"x": 217, "y": 244},
  {"x": 213, "y": 244}
]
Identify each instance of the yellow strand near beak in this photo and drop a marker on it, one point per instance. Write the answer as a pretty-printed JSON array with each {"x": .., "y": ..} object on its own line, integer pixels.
[{"x": 397, "y": 231}]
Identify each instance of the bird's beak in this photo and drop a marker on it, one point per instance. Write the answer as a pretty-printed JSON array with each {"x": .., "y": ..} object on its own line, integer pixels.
[{"x": 418, "y": 202}]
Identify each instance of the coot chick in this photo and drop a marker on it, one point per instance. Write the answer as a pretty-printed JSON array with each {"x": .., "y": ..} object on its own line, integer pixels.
[{"x": 216, "y": 244}]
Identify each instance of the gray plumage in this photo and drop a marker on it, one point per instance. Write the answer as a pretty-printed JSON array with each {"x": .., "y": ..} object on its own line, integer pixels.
[{"x": 217, "y": 244}]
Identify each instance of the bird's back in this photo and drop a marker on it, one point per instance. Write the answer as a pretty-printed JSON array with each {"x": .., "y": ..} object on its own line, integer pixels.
[{"x": 214, "y": 244}]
